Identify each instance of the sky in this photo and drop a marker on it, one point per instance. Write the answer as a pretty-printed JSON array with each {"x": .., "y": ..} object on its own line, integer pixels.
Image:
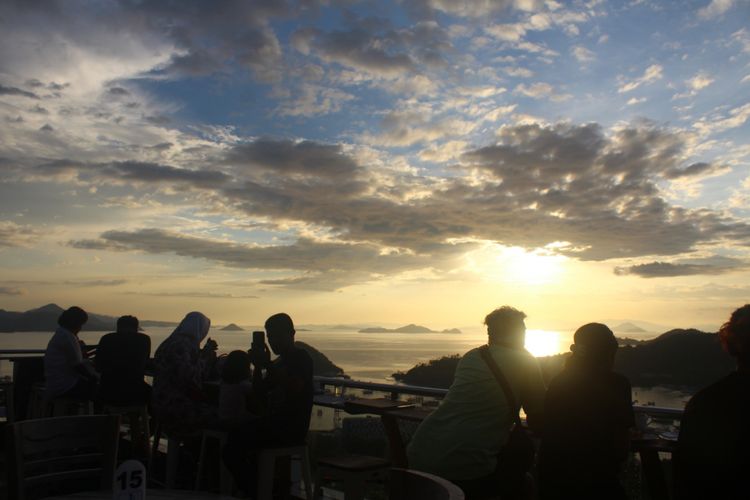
[{"x": 377, "y": 162}]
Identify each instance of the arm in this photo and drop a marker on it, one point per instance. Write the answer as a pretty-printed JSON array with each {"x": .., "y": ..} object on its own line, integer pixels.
[{"x": 532, "y": 396}]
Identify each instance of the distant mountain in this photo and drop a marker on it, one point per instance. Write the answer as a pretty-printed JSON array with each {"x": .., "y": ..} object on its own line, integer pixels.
[
  {"x": 231, "y": 327},
  {"x": 410, "y": 328},
  {"x": 45, "y": 319},
  {"x": 628, "y": 328},
  {"x": 688, "y": 358}
]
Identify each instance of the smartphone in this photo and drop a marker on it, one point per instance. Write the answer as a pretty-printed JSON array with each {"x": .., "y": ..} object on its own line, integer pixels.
[{"x": 259, "y": 340}]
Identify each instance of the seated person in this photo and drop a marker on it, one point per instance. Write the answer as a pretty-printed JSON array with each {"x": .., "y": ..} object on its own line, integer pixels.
[
  {"x": 463, "y": 438},
  {"x": 121, "y": 359},
  {"x": 286, "y": 389},
  {"x": 235, "y": 388},
  {"x": 67, "y": 373},
  {"x": 713, "y": 458},
  {"x": 588, "y": 414},
  {"x": 178, "y": 398}
]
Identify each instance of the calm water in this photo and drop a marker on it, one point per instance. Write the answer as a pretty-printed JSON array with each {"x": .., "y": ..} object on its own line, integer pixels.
[{"x": 367, "y": 356}]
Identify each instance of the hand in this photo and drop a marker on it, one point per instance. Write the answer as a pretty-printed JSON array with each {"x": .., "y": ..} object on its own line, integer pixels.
[
  {"x": 261, "y": 358},
  {"x": 211, "y": 345}
]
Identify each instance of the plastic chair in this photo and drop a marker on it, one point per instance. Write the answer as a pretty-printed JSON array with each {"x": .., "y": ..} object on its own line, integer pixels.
[
  {"x": 267, "y": 464},
  {"x": 55, "y": 455},
  {"x": 137, "y": 418},
  {"x": 406, "y": 484},
  {"x": 353, "y": 470},
  {"x": 225, "y": 478}
]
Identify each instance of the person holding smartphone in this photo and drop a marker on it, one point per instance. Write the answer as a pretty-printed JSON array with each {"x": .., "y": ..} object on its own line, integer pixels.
[{"x": 284, "y": 389}]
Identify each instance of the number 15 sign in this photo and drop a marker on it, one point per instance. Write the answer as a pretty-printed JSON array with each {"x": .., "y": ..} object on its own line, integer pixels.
[{"x": 130, "y": 481}]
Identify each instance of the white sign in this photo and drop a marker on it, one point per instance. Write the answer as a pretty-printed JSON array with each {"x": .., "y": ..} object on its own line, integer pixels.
[{"x": 130, "y": 481}]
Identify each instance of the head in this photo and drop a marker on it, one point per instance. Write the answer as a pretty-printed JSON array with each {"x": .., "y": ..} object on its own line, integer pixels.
[
  {"x": 735, "y": 335},
  {"x": 280, "y": 331},
  {"x": 505, "y": 326},
  {"x": 127, "y": 324},
  {"x": 194, "y": 325},
  {"x": 236, "y": 367},
  {"x": 73, "y": 319},
  {"x": 594, "y": 345}
]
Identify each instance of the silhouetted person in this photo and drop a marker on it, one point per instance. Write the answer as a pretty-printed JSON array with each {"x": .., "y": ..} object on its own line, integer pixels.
[
  {"x": 588, "y": 414},
  {"x": 286, "y": 388},
  {"x": 178, "y": 398},
  {"x": 66, "y": 371},
  {"x": 713, "y": 451},
  {"x": 235, "y": 388},
  {"x": 121, "y": 359},
  {"x": 462, "y": 440}
]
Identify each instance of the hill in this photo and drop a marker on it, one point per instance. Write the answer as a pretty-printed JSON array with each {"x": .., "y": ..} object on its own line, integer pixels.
[
  {"x": 322, "y": 366},
  {"x": 410, "y": 328},
  {"x": 688, "y": 358},
  {"x": 628, "y": 328},
  {"x": 231, "y": 327},
  {"x": 45, "y": 319}
]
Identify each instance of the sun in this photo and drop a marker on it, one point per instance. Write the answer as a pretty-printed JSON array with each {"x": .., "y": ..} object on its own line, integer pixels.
[
  {"x": 515, "y": 265},
  {"x": 543, "y": 343}
]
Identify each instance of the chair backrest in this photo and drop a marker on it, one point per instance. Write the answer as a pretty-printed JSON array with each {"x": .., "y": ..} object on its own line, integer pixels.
[
  {"x": 406, "y": 484},
  {"x": 63, "y": 455}
]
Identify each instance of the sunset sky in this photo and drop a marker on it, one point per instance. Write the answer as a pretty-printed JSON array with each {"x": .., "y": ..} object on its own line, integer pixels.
[{"x": 386, "y": 162}]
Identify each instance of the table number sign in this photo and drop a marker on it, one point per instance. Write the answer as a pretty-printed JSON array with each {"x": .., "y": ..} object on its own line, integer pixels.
[{"x": 130, "y": 481}]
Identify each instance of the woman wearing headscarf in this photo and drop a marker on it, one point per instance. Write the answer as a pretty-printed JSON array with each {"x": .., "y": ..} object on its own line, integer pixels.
[{"x": 178, "y": 398}]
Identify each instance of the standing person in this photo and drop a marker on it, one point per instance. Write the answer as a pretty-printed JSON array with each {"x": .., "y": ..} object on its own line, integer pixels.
[
  {"x": 463, "y": 439},
  {"x": 588, "y": 414},
  {"x": 286, "y": 389},
  {"x": 713, "y": 450},
  {"x": 178, "y": 399},
  {"x": 67, "y": 373},
  {"x": 121, "y": 358}
]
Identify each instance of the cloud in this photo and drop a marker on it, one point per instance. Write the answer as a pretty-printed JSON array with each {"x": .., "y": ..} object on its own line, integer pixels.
[
  {"x": 95, "y": 283},
  {"x": 681, "y": 268},
  {"x": 5, "y": 290},
  {"x": 652, "y": 74},
  {"x": 699, "y": 81},
  {"x": 540, "y": 90},
  {"x": 715, "y": 8},
  {"x": 192, "y": 295},
  {"x": 636, "y": 100},
  {"x": 735, "y": 117},
  {"x": 582, "y": 54},
  {"x": 16, "y": 91},
  {"x": 308, "y": 256},
  {"x": 17, "y": 235}
]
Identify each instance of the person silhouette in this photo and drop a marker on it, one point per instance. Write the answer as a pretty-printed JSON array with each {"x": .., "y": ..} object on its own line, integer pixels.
[
  {"x": 463, "y": 439},
  {"x": 713, "y": 448},
  {"x": 588, "y": 414},
  {"x": 284, "y": 388},
  {"x": 121, "y": 359}
]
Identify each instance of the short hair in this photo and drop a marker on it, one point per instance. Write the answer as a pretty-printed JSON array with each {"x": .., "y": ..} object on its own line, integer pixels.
[
  {"x": 503, "y": 320},
  {"x": 280, "y": 322},
  {"x": 127, "y": 323},
  {"x": 236, "y": 367},
  {"x": 73, "y": 318},
  {"x": 735, "y": 333},
  {"x": 594, "y": 340}
]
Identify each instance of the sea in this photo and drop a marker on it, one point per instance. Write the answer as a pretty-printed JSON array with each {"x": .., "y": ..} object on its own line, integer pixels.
[{"x": 371, "y": 356}]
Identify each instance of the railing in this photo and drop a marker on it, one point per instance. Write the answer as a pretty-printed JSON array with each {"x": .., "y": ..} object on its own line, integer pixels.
[{"x": 394, "y": 390}]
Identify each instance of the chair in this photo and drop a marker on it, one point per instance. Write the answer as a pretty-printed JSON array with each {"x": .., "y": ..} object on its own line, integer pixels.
[
  {"x": 137, "y": 418},
  {"x": 353, "y": 470},
  {"x": 63, "y": 455},
  {"x": 406, "y": 484},
  {"x": 267, "y": 463},
  {"x": 225, "y": 478}
]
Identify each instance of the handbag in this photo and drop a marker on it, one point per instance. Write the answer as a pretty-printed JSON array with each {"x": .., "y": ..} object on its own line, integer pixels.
[{"x": 518, "y": 453}]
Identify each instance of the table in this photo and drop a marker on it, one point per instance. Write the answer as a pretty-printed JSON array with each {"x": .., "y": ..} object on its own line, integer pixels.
[
  {"x": 151, "y": 494},
  {"x": 390, "y": 411}
]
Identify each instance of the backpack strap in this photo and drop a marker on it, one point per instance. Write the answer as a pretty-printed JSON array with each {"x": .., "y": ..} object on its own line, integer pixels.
[{"x": 484, "y": 351}]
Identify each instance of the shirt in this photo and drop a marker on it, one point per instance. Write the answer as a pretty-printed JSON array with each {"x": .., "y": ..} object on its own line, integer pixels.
[
  {"x": 121, "y": 359},
  {"x": 463, "y": 436},
  {"x": 62, "y": 356},
  {"x": 289, "y": 386},
  {"x": 233, "y": 400}
]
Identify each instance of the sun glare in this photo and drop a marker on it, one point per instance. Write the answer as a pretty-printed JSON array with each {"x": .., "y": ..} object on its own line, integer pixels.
[
  {"x": 516, "y": 265},
  {"x": 543, "y": 343}
]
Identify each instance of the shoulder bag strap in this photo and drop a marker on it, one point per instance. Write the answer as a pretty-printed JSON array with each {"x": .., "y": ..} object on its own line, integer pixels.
[{"x": 484, "y": 351}]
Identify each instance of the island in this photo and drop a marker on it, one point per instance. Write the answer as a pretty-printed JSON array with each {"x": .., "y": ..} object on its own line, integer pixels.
[
  {"x": 322, "y": 366},
  {"x": 629, "y": 328},
  {"x": 686, "y": 358},
  {"x": 410, "y": 328},
  {"x": 231, "y": 327}
]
